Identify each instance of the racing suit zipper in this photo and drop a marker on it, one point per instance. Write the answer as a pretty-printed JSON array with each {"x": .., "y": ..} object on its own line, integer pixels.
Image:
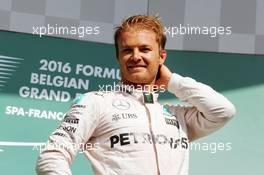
[{"x": 153, "y": 139}]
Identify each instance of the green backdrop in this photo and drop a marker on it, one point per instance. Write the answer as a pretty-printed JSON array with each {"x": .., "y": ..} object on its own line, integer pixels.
[{"x": 30, "y": 110}]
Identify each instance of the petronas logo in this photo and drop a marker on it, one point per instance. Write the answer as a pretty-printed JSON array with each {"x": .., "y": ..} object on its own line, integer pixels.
[{"x": 8, "y": 65}]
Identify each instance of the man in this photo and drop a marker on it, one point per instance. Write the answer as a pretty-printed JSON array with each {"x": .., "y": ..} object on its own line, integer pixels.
[{"x": 130, "y": 131}]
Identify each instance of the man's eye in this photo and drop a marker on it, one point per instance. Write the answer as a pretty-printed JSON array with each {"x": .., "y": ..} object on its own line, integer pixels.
[
  {"x": 127, "y": 50},
  {"x": 145, "y": 50}
]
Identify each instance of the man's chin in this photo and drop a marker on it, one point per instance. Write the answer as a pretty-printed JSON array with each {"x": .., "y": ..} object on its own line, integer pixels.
[{"x": 138, "y": 79}]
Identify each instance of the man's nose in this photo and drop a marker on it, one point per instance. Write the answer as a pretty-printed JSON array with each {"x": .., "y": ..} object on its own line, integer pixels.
[{"x": 135, "y": 55}]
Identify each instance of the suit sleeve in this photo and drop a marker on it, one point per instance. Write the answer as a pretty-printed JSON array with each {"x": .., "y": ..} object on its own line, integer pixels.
[
  {"x": 64, "y": 143},
  {"x": 210, "y": 110}
]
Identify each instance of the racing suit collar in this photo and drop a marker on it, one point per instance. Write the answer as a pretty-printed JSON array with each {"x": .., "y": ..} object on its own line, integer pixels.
[{"x": 140, "y": 95}]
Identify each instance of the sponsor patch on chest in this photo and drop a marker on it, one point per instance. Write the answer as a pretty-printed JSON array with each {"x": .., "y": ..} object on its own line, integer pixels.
[{"x": 124, "y": 116}]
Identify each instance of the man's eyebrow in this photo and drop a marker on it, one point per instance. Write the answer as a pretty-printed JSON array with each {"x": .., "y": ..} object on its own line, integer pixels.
[{"x": 143, "y": 45}]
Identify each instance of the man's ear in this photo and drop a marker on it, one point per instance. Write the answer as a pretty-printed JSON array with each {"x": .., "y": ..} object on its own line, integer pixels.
[{"x": 163, "y": 56}]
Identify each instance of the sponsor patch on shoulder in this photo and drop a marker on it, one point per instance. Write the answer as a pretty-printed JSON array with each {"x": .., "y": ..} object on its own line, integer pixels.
[
  {"x": 78, "y": 99},
  {"x": 166, "y": 111},
  {"x": 170, "y": 119}
]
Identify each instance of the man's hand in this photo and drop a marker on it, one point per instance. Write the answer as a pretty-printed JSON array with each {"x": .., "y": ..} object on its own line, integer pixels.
[{"x": 165, "y": 75}]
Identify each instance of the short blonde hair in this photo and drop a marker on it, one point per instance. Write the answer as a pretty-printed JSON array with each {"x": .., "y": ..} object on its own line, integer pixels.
[{"x": 142, "y": 22}]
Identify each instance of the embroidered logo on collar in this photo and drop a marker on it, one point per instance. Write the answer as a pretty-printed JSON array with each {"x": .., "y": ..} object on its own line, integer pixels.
[{"x": 148, "y": 97}]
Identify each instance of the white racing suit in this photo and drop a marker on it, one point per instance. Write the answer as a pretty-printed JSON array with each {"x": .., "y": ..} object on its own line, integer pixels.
[{"x": 131, "y": 133}]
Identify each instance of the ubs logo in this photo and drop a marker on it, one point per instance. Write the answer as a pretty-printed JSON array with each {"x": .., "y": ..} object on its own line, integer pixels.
[
  {"x": 121, "y": 104},
  {"x": 124, "y": 116}
]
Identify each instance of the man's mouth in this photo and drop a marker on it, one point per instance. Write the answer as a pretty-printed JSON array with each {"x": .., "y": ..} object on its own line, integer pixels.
[{"x": 136, "y": 66}]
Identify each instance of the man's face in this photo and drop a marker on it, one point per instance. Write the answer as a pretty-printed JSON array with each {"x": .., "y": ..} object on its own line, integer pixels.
[{"x": 139, "y": 56}]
